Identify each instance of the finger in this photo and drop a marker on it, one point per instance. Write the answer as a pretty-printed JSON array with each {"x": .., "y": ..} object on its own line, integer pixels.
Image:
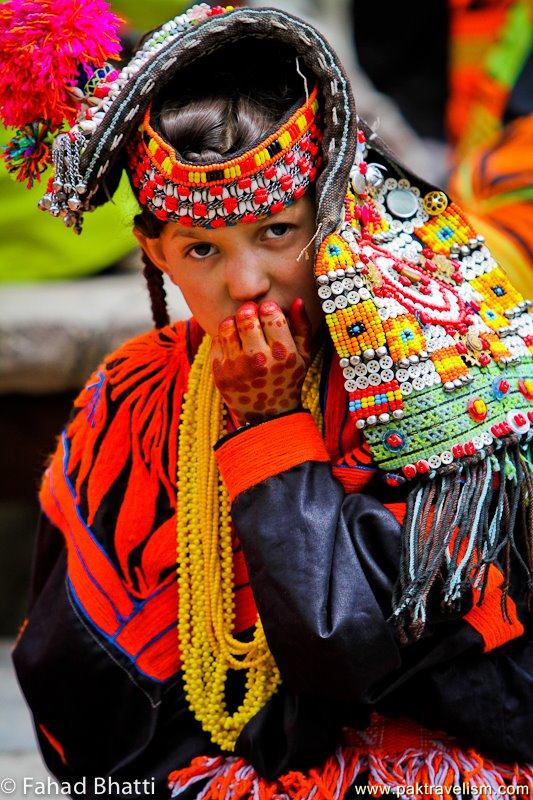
[
  {"x": 300, "y": 326},
  {"x": 229, "y": 338},
  {"x": 250, "y": 330},
  {"x": 216, "y": 356},
  {"x": 276, "y": 331}
]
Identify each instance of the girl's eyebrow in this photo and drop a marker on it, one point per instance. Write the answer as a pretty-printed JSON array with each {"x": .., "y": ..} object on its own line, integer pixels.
[
  {"x": 289, "y": 216},
  {"x": 187, "y": 233}
]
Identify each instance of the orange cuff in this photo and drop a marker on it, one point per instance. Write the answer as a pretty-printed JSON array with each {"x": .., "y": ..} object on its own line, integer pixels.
[
  {"x": 261, "y": 451},
  {"x": 488, "y": 619}
]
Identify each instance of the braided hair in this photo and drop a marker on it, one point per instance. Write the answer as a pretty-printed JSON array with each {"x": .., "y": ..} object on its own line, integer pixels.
[{"x": 156, "y": 288}]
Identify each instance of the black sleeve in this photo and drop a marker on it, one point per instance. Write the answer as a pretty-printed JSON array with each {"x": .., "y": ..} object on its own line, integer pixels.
[
  {"x": 322, "y": 566},
  {"x": 94, "y": 714}
]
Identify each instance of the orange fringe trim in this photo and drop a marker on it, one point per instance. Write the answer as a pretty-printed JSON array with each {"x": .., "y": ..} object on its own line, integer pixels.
[{"x": 419, "y": 773}]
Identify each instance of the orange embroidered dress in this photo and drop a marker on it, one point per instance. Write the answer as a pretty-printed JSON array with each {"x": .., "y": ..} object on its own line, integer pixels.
[{"x": 99, "y": 660}]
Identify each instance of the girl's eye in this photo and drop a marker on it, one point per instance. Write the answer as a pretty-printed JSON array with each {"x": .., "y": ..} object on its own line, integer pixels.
[
  {"x": 202, "y": 250},
  {"x": 277, "y": 230}
]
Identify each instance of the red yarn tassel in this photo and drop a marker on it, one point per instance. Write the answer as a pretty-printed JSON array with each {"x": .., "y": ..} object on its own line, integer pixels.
[
  {"x": 430, "y": 769},
  {"x": 42, "y": 45}
]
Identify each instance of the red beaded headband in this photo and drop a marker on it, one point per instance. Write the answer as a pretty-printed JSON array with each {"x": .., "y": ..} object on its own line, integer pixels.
[{"x": 257, "y": 183}]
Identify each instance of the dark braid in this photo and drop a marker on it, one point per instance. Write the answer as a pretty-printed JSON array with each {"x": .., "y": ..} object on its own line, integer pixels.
[{"x": 156, "y": 287}]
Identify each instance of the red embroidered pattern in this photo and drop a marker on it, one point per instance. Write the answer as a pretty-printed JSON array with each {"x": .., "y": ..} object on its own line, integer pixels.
[{"x": 111, "y": 490}]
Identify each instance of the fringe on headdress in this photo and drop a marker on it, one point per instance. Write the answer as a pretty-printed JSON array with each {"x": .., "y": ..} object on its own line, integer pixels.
[
  {"x": 417, "y": 772},
  {"x": 27, "y": 155},
  {"x": 457, "y": 523}
]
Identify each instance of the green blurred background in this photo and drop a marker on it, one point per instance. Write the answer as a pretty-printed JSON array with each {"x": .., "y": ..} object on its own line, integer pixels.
[{"x": 35, "y": 246}]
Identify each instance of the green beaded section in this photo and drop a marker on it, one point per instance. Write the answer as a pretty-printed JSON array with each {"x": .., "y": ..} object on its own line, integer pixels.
[{"x": 435, "y": 420}]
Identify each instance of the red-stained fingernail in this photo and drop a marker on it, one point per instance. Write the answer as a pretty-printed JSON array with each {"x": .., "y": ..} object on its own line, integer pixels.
[
  {"x": 268, "y": 307},
  {"x": 297, "y": 304},
  {"x": 247, "y": 310},
  {"x": 229, "y": 322},
  {"x": 298, "y": 312}
]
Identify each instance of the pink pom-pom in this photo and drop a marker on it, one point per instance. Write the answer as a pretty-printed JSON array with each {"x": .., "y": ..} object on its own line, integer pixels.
[{"x": 42, "y": 45}]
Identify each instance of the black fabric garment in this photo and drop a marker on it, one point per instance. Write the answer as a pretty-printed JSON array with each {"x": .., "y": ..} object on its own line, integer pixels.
[
  {"x": 324, "y": 593},
  {"x": 322, "y": 574},
  {"x": 487, "y": 700},
  {"x": 110, "y": 719}
]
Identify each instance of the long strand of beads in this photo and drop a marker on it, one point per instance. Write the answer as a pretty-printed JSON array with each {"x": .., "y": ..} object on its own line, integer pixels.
[{"x": 205, "y": 565}]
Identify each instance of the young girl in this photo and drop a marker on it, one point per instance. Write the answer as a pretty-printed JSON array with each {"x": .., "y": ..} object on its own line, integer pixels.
[{"x": 348, "y": 412}]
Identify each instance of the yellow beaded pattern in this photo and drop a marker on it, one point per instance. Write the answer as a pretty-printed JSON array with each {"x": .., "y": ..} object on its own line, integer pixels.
[
  {"x": 375, "y": 227},
  {"x": 498, "y": 348},
  {"x": 356, "y": 329},
  {"x": 334, "y": 253},
  {"x": 497, "y": 290},
  {"x": 209, "y": 648},
  {"x": 492, "y": 318},
  {"x": 449, "y": 363},
  {"x": 449, "y": 227},
  {"x": 404, "y": 337}
]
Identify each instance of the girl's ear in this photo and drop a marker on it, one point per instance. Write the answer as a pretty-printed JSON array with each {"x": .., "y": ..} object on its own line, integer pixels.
[{"x": 153, "y": 249}]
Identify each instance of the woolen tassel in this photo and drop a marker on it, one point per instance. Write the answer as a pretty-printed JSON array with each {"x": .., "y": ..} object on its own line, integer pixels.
[
  {"x": 42, "y": 45},
  {"x": 28, "y": 153},
  {"x": 234, "y": 779},
  {"x": 455, "y": 525}
]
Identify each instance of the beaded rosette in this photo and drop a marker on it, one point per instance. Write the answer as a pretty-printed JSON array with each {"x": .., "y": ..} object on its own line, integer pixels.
[
  {"x": 258, "y": 183},
  {"x": 435, "y": 345}
]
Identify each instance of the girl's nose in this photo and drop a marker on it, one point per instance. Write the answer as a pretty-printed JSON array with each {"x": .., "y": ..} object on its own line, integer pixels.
[{"x": 247, "y": 279}]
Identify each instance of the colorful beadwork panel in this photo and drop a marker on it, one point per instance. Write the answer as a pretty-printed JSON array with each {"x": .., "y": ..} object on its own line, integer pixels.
[{"x": 434, "y": 342}]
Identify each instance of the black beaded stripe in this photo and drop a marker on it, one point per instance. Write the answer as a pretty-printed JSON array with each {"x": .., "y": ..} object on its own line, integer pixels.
[
  {"x": 216, "y": 175},
  {"x": 274, "y": 148}
]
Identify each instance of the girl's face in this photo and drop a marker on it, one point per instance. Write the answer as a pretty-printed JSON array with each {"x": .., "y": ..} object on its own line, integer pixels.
[{"x": 220, "y": 269}]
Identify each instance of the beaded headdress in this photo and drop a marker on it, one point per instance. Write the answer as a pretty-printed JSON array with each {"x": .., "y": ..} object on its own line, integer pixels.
[
  {"x": 261, "y": 181},
  {"x": 435, "y": 344}
]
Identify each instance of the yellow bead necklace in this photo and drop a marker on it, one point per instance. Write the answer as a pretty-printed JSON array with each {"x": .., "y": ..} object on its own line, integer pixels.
[{"x": 205, "y": 564}]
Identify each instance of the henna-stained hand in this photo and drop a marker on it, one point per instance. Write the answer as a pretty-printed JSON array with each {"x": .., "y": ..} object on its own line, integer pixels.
[{"x": 260, "y": 357}]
